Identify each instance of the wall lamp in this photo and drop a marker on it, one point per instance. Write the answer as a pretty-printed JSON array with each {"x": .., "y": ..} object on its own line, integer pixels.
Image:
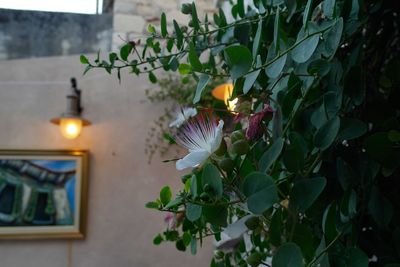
[
  {"x": 71, "y": 121},
  {"x": 224, "y": 92}
]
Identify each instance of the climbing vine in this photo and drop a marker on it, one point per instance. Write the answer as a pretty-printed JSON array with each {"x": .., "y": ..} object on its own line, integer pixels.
[{"x": 304, "y": 169}]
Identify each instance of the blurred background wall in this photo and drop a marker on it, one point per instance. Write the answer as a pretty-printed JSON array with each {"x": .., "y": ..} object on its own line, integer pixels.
[{"x": 33, "y": 85}]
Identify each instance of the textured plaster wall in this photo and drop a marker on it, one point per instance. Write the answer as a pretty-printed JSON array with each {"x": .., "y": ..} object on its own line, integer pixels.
[{"x": 120, "y": 229}]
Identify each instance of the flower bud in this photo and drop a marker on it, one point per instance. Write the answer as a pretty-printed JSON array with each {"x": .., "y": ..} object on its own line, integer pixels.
[
  {"x": 254, "y": 259},
  {"x": 252, "y": 223},
  {"x": 226, "y": 164},
  {"x": 205, "y": 196},
  {"x": 222, "y": 149},
  {"x": 237, "y": 135},
  {"x": 218, "y": 254},
  {"x": 240, "y": 147}
]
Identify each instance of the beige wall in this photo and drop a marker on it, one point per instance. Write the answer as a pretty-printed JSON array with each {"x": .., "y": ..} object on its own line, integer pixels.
[{"x": 120, "y": 229}]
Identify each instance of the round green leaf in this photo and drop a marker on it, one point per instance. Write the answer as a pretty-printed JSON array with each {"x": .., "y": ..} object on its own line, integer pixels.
[
  {"x": 288, "y": 255},
  {"x": 165, "y": 195},
  {"x": 306, "y": 191},
  {"x": 193, "y": 212},
  {"x": 212, "y": 177},
  {"x": 325, "y": 136},
  {"x": 261, "y": 192},
  {"x": 306, "y": 43},
  {"x": 273, "y": 70},
  {"x": 203, "y": 81},
  {"x": 239, "y": 60},
  {"x": 351, "y": 129},
  {"x": 269, "y": 156}
]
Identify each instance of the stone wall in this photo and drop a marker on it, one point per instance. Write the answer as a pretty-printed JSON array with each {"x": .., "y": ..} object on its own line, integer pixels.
[{"x": 131, "y": 17}]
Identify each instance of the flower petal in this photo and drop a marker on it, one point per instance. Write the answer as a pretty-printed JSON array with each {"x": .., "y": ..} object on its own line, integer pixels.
[
  {"x": 218, "y": 137},
  {"x": 192, "y": 159}
]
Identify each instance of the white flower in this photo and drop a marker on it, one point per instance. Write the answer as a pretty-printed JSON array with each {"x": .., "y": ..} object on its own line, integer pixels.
[
  {"x": 202, "y": 137},
  {"x": 183, "y": 115}
]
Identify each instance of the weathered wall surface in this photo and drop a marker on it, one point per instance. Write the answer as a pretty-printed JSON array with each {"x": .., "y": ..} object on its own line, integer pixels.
[
  {"x": 120, "y": 229},
  {"x": 26, "y": 34},
  {"x": 132, "y": 16}
]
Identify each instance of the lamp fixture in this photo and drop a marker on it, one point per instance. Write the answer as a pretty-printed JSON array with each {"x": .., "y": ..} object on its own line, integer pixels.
[
  {"x": 224, "y": 92},
  {"x": 71, "y": 121}
]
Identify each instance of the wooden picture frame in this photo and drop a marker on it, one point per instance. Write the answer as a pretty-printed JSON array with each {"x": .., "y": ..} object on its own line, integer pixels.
[{"x": 43, "y": 194}]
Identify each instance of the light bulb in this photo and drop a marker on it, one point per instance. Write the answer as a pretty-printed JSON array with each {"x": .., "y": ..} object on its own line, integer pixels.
[{"x": 70, "y": 127}]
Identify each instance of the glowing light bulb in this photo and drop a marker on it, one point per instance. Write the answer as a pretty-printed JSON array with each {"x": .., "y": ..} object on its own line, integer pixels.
[
  {"x": 231, "y": 104},
  {"x": 70, "y": 127}
]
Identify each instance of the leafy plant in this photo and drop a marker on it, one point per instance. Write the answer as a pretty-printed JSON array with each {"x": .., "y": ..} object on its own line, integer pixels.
[{"x": 308, "y": 172}]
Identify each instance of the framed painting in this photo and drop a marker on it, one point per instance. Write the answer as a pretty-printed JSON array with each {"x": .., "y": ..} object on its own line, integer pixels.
[{"x": 43, "y": 194}]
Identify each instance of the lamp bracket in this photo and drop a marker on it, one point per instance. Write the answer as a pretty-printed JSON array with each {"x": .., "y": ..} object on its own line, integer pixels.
[{"x": 77, "y": 92}]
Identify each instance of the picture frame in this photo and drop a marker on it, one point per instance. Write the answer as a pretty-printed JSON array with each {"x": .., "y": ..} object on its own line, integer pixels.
[{"x": 43, "y": 194}]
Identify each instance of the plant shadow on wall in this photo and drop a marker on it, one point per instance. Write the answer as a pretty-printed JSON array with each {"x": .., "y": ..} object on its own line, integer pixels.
[{"x": 307, "y": 171}]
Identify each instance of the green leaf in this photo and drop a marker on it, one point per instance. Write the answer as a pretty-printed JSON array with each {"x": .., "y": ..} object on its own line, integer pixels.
[
  {"x": 194, "y": 59},
  {"x": 176, "y": 202},
  {"x": 276, "y": 228},
  {"x": 351, "y": 129},
  {"x": 251, "y": 78},
  {"x": 332, "y": 103},
  {"x": 294, "y": 155},
  {"x": 87, "y": 69},
  {"x": 257, "y": 38},
  {"x": 380, "y": 208},
  {"x": 332, "y": 38},
  {"x": 276, "y": 31},
  {"x": 152, "y": 77},
  {"x": 195, "y": 19},
  {"x": 305, "y": 43},
  {"x": 184, "y": 69},
  {"x": 291, "y": 6},
  {"x": 306, "y": 191},
  {"x": 307, "y": 13},
  {"x": 212, "y": 177},
  {"x": 321, "y": 67},
  {"x": 151, "y": 29},
  {"x": 195, "y": 186},
  {"x": 240, "y": 8},
  {"x": 157, "y": 240},
  {"x": 193, "y": 212},
  {"x": 125, "y": 51},
  {"x": 179, "y": 34},
  {"x": 261, "y": 192},
  {"x": 275, "y": 64},
  {"x": 325, "y": 136},
  {"x": 203, "y": 81},
  {"x": 239, "y": 60},
  {"x": 152, "y": 205},
  {"x": 329, "y": 8},
  {"x": 216, "y": 215},
  {"x": 329, "y": 223},
  {"x": 84, "y": 59},
  {"x": 324, "y": 259},
  {"x": 271, "y": 155},
  {"x": 357, "y": 258},
  {"x": 165, "y": 195},
  {"x": 288, "y": 255},
  {"x": 164, "y": 31}
]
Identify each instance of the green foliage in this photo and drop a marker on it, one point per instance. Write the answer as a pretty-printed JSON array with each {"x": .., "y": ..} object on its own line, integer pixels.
[{"x": 312, "y": 157}]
